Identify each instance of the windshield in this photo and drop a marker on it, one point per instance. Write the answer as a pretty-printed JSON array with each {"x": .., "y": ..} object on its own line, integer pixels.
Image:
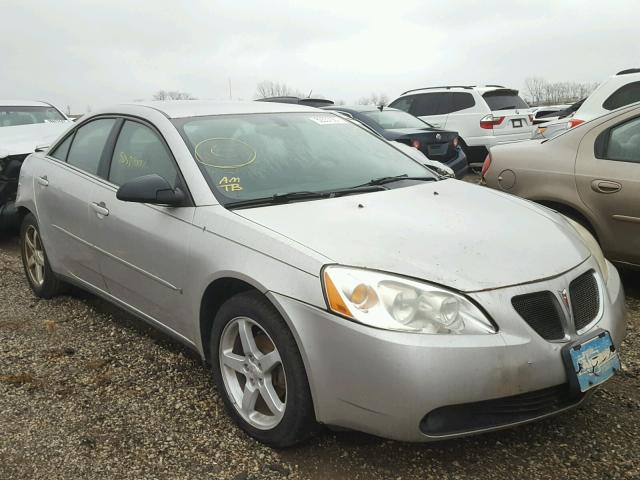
[
  {"x": 391, "y": 119},
  {"x": 246, "y": 157},
  {"x": 501, "y": 100},
  {"x": 13, "y": 116}
]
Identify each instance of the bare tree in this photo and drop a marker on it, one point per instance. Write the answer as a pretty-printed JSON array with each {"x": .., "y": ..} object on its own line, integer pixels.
[
  {"x": 268, "y": 88},
  {"x": 378, "y": 99},
  {"x": 541, "y": 92},
  {"x": 172, "y": 95}
]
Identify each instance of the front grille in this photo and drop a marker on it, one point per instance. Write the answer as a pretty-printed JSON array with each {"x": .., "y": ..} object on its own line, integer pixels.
[
  {"x": 585, "y": 299},
  {"x": 543, "y": 313},
  {"x": 456, "y": 419}
]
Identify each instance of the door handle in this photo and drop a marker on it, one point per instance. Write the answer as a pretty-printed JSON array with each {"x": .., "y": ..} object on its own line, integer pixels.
[
  {"x": 100, "y": 209},
  {"x": 43, "y": 181},
  {"x": 605, "y": 186}
]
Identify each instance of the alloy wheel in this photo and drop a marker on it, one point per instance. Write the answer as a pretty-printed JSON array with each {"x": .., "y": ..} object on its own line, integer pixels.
[
  {"x": 34, "y": 255},
  {"x": 253, "y": 373}
]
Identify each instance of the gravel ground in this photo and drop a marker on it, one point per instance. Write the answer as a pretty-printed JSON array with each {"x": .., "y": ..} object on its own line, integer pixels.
[{"x": 87, "y": 391}]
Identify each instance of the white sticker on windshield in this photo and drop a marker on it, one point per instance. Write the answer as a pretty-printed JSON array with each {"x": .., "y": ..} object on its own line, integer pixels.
[{"x": 327, "y": 119}]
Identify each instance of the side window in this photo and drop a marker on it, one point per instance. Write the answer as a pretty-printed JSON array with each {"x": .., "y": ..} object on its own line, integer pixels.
[
  {"x": 461, "y": 101},
  {"x": 89, "y": 143},
  {"x": 625, "y": 95},
  {"x": 403, "y": 103},
  {"x": 624, "y": 142},
  {"x": 140, "y": 151},
  {"x": 431, "y": 104},
  {"x": 62, "y": 150}
]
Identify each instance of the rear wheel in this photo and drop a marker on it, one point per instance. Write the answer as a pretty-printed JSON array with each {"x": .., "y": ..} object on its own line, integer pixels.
[
  {"x": 259, "y": 372},
  {"x": 42, "y": 280}
]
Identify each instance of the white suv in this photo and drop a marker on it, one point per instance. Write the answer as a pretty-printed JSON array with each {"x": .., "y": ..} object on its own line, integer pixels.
[
  {"x": 617, "y": 91},
  {"x": 483, "y": 115}
]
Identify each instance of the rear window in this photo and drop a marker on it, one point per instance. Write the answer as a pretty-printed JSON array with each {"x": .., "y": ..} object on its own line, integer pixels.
[
  {"x": 625, "y": 95},
  {"x": 504, "y": 100}
]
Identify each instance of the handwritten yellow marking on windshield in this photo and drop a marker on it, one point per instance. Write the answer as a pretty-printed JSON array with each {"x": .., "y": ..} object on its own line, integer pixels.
[
  {"x": 230, "y": 184},
  {"x": 225, "y": 153}
]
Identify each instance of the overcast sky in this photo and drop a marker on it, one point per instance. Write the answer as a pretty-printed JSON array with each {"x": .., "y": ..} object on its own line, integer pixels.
[{"x": 90, "y": 53}]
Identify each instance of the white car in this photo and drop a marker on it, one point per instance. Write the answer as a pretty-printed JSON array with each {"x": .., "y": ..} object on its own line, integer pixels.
[
  {"x": 483, "y": 116},
  {"x": 619, "y": 90},
  {"x": 24, "y": 125}
]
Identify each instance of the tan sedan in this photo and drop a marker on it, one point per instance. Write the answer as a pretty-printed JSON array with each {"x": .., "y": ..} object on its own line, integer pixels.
[{"x": 590, "y": 173}]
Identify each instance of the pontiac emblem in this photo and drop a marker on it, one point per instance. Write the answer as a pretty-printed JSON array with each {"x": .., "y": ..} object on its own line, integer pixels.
[{"x": 564, "y": 296}]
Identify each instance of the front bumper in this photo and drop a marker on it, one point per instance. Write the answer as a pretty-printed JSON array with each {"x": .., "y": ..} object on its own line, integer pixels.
[{"x": 385, "y": 383}]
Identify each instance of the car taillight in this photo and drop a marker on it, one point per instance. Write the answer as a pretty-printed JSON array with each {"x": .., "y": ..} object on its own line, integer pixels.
[
  {"x": 416, "y": 144},
  {"x": 455, "y": 142},
  {"x": 574, "y": 122},
  {"x": 486, "y": 164},
  {"x": 489, "y": 121}
]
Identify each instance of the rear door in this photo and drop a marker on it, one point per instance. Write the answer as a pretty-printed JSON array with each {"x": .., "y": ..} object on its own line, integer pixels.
[
  {"x": 432, "y": 107},
  {"x": 608, "y": 180},
  {"x": 144, "y": 248},
  {"x": 64, "y": 187},
  {"x": 512, "y": 120}
]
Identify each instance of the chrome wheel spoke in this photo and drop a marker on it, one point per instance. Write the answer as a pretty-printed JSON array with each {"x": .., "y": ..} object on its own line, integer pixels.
[
  {"x": 270, "y": 397},
  {"x": 269, "y": 361},
  {"x": 249, "y": 397},
  {"x": 234, "y": 362},
  {"x": 246, "y": 338}
]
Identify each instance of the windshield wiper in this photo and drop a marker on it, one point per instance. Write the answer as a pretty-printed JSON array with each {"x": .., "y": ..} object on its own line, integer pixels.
[
  {"x": 396, "y": 178},
  {"x": 279, "y": 198}
]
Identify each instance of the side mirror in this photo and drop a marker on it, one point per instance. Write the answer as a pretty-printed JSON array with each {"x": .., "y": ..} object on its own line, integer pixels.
[
  {"x": 42, "y": 148},
  {"x": 151, "y": 189}
]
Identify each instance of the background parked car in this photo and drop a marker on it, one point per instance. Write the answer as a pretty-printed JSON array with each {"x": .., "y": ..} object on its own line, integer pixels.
[
  {"x": 24, "y": 125},
  {"x": 617, "y": 91},
  {"x": 556, "y": 124},
  {"x": 591, "y": 174},
  {"x": 482, "y": 115},
  {"x": 547, "y": 113},
  {"x": 397, "y": 125}
]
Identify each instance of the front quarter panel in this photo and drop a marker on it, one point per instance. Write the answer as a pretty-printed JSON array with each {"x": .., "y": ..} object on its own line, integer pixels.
[{"x": 25, "y": 197}]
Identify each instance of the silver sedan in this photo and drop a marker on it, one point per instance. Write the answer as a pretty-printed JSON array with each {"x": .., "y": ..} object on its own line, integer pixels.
[{"x": 325, "y": 276}]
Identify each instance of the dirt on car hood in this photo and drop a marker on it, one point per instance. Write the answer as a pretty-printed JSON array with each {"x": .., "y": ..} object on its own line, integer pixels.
[{"x": 449, "y": 232}]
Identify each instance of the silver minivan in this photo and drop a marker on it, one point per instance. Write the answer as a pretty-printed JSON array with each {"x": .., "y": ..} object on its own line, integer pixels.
[{"x": 324, "y": 275}]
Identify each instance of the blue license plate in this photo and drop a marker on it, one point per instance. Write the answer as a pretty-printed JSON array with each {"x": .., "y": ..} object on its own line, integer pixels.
[{"x": 594, "y": 361}]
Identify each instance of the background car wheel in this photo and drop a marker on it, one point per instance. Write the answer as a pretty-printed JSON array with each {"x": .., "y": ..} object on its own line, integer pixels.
[
  {"x": 259, "y": 372},
  {"x": 42, "y": 280}
]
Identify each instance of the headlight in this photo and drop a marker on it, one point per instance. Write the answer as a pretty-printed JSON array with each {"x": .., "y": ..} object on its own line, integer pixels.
[
  {"x": 392, "y": 302},
  {"x": 592, "y": 244}
]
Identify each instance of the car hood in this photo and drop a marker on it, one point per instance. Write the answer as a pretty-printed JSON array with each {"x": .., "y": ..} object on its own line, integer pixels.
[
  {"x": 464, "y": 236},
  {"x": 25, "y": 138}
]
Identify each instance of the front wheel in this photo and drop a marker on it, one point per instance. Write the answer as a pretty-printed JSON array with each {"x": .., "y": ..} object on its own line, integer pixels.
[
  {"x": 42, "y": 280},
  {"x": 259, "y": 372}
]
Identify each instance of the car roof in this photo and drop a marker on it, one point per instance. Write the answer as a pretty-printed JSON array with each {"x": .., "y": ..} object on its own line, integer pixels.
[
  {"x": 200, "y": 108},
  {"x": 357, "y": 108},
  {"x": 24, "y": 103}
]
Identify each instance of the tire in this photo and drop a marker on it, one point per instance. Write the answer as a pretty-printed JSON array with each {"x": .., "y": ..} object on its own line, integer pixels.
[
  {"x": 46, "y": 284},
  {"x": 253, "y": 313}
]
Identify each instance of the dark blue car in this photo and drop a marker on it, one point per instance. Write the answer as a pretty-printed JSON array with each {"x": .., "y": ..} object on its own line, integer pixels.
[{"x": 400, "y": 126}]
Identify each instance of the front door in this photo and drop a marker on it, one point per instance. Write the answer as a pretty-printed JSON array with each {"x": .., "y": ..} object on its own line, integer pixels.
[
  {"x": 144, "y": 249},
  {"x": 608, "y": 180},
  {"x": 63, "y": 188}
]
